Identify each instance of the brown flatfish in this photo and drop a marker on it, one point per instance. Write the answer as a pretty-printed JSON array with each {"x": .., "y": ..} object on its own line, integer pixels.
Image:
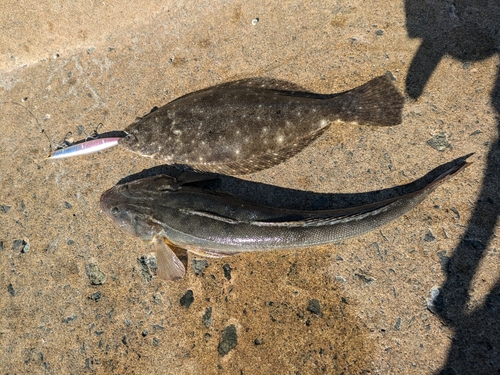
[{"x": 248, "y": 125}]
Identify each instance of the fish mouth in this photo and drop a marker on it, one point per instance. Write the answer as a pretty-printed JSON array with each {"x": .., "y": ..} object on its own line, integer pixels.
[
  {"x": 124, "y": 194},
  {"x": 109, "y": 199},
  {"x": 112, "y": 205},
  {"x": 114, "y": 198},
  {"x": 129, "y": 139},
  {"x": 128, "y": 214}
]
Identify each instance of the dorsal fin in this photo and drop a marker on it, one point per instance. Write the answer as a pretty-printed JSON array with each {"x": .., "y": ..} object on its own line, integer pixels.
[{"x": 261, "y": 83}]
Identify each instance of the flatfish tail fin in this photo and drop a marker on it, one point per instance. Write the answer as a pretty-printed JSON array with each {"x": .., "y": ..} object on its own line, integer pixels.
[{"x": 377, "y": 102}]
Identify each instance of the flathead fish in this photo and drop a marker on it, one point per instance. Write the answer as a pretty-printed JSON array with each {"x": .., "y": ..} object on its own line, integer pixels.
[
  {"x": 248, "y": 125},
  {"x": 175, "y": 213}
]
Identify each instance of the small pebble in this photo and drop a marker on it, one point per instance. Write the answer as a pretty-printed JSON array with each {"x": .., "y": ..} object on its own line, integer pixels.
[
  {"x": 227, "y": 271},
  {"x": 96, "y": 276},
  {"x": 435, "y": 304},
  {"x": 444, "y": 260},
  {"x": 391, "y": 76},
  {"x": 69, "y": 319},
  {"x": 187, "y": 299},
  {"x": 199, "y": 265},
  {"x": 314, "y": 307},
  {"x": 229, "y": 340},
  {"x": 18, "y": 244},
  {"x": 144, "y": 263},
  {"x": 439, "y": 142},
  {"x": 455, "y": 211},
  {"x": 429, "y": 237},
  {"x": 368, "y": 280},
  {"x": 397, "y": 326},
  {"x": 475, "y": 244},
  {"x": 207, "y": 317},
  {"x": 96, "y": 297},
  {"x": 158, "y": 327},
  {"x": 157, "y": 298}
]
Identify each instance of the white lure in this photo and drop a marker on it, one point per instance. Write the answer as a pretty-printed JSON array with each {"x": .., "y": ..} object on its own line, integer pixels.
[{"x": 85, "y": 148}]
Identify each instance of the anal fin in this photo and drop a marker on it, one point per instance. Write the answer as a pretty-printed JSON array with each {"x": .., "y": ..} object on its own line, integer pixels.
[{"x": 262, "y": 161}]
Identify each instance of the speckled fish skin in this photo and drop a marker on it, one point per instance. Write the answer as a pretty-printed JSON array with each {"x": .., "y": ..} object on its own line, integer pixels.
[
  {"x": 245, "y": 126},
  {"x": 217, "y": 224}
]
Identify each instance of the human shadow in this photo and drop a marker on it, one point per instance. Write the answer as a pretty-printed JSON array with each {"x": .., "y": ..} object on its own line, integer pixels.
[{"x": 467, "y": 30}]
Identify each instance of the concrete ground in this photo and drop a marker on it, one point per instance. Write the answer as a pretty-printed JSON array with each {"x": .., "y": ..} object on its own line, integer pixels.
[{"x": 419, "y": 296}]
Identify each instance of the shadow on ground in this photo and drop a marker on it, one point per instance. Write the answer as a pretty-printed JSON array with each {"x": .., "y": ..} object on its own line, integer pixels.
[
  {"x": 276, "y": 196},
  {"x": 467, "y": 30}
]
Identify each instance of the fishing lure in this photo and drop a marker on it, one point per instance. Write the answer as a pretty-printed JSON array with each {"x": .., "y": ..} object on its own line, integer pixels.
[{"x": 85, "y": 148}]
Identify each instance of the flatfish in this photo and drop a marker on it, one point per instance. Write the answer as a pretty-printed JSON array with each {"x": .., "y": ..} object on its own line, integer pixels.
[{"x": 248, "y": 125}]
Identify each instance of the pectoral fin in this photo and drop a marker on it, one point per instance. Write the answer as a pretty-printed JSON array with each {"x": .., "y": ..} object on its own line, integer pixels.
[{"x": 170, "y": 268}]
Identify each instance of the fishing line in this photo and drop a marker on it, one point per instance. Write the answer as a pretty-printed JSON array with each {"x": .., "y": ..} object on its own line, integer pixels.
[{"x": 41, "y": 129}]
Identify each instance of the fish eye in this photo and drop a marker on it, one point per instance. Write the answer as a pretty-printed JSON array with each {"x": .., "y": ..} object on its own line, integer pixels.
[
  {"x": 114, "y": 211},
  {"x": 131, "y": 137}
]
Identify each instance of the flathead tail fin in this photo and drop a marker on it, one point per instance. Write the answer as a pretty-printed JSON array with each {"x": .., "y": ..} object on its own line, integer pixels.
[{"x": 449, "y": 174}]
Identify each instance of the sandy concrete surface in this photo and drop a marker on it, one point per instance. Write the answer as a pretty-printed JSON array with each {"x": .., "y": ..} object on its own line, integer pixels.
[{"x": 419, "y": 296}]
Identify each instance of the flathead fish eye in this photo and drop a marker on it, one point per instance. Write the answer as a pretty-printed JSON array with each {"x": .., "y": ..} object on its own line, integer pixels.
[{"x": 115, "y": 211}]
